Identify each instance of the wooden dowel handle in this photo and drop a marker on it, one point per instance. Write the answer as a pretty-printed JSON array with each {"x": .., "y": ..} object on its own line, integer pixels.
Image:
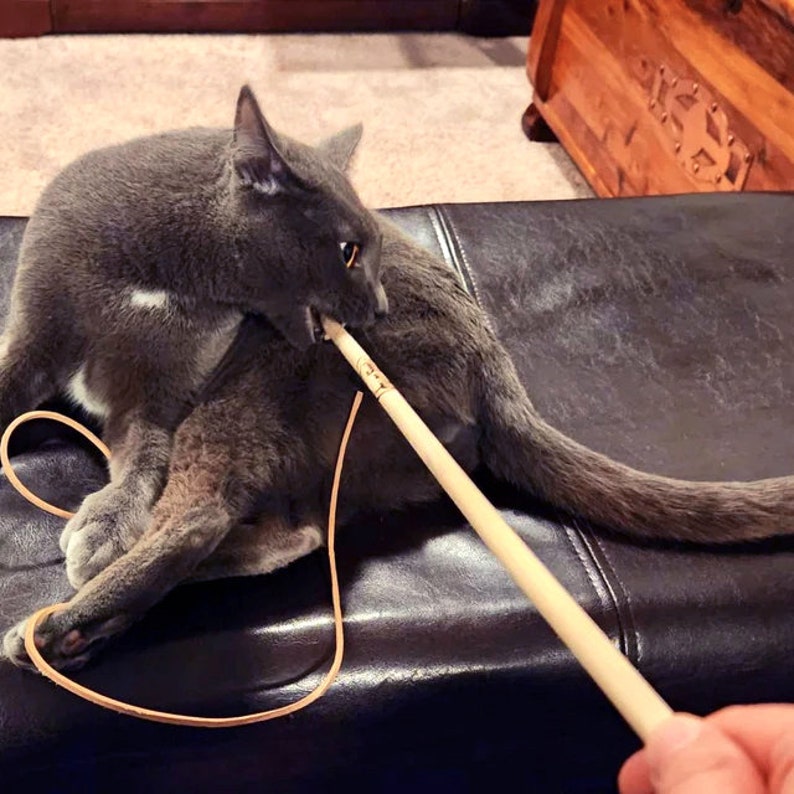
[{"x": 639, "y": 704}]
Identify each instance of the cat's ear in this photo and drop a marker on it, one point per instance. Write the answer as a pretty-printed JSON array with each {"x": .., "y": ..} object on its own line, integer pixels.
[
  {"x": 339, "y": 148},
  {"x": 256, "y": 156}
]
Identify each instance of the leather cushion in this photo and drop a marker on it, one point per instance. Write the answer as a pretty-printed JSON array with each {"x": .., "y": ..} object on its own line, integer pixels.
[{"x": 655, "y": 330}]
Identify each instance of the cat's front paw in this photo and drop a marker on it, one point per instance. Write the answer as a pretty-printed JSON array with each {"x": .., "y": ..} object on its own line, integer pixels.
[
  {"x": 106, "y": 526},
  {"x": 64, "y": 644},
  {"x": 66, "y": 658}
]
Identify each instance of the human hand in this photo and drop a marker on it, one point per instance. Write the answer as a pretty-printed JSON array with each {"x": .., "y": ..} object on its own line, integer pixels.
[{"x": 737, "y": 750}]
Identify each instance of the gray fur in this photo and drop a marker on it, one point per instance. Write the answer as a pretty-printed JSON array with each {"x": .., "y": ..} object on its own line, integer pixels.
[{"x": 230, "y": 475}]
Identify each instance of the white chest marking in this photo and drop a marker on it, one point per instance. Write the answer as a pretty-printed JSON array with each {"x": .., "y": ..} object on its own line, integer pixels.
[
  {"x": 157, "y": 299},
  {"x": 78, "y": 391}
]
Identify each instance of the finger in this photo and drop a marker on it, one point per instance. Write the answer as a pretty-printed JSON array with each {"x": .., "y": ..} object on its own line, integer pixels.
[
  {"x": 766, "y": 732},
  {"x": 635, "y": 776},
  {"x": 687, "y": 755}
]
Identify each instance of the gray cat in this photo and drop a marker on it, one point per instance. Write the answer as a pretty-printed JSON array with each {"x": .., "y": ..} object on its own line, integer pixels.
[{"x": 173, "y": 286}]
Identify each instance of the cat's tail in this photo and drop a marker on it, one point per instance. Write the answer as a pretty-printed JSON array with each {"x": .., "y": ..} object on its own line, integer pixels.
[{"x": 519, "y": 447}]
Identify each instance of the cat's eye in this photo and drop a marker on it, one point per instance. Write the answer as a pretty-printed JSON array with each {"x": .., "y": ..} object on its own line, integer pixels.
[{"x": 349, "y": 253}]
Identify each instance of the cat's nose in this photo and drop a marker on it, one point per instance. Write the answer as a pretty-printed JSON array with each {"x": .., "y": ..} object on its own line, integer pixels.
[{"x": 382, "y": 302}]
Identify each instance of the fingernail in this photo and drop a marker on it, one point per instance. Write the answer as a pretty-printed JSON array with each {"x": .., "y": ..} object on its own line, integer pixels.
[{"x": 671, "y": 737}]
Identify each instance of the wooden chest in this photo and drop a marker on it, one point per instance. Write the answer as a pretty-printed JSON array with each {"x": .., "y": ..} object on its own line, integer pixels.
[{"x": 667, "y": 96}]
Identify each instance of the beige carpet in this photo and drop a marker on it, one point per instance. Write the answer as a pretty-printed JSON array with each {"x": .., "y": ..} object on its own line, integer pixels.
[{"x": 441, "y": 112}]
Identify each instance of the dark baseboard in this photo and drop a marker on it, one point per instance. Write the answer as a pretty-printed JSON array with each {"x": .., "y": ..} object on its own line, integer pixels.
[
  {"x": 476, "y": 17},
  {"x": 24, "y": 18},
  {"x": 497, "y": 17}
]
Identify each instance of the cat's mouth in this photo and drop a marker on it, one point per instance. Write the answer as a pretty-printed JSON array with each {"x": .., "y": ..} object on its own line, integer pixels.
[{"x": 315, "y": 325}]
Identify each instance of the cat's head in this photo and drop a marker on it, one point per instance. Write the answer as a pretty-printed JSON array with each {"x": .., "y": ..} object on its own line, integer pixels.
[{"x": 306, "y": 244}]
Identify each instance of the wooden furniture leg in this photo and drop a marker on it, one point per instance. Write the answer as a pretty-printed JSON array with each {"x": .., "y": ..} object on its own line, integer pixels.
[{"x": 535, "y": 126}]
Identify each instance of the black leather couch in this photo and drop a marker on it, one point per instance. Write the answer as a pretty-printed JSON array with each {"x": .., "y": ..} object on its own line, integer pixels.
[{"x": 656, "y": 330}]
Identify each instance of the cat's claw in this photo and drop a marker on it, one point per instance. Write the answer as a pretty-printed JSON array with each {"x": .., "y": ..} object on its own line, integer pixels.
[{"x": 14, "y": 646}]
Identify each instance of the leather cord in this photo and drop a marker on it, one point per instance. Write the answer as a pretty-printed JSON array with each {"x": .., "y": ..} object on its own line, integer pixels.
[
  {"x": 11, "y": 474},
  {"x": 164, "y": 716}
]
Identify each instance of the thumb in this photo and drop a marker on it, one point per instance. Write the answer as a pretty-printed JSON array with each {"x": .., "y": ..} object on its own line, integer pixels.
[{"x": 687, "y": 755}]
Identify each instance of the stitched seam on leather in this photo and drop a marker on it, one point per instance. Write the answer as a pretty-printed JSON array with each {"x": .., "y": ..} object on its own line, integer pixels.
[
  {"x": 448, "y": 249},
  {"x": 452, "y": 232},
  {"x": 594, "y": 577},
  {"x": 622, "y": 598},
  {"x": 443, "y": 241},
  {"x": 625, "y": 622}
]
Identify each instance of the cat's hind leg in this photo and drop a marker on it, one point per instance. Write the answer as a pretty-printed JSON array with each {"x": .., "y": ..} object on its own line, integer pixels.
[
  {"x": 187, "y": 524},
  {"x": 260, "y": 547},
  {"x": 247, "y": 550}
]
